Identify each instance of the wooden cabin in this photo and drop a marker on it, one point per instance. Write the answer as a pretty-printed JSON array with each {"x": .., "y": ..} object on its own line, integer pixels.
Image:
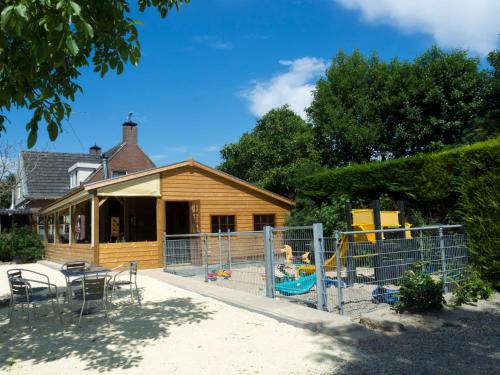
[{"x": 121, "y": 219}]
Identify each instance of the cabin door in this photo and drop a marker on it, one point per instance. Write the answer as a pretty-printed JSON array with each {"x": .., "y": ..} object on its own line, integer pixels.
[{"x": 178, "y": 218}]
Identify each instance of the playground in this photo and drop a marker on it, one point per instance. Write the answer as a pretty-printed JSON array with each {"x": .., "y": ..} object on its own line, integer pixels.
[{"x": 359, "y": 269}]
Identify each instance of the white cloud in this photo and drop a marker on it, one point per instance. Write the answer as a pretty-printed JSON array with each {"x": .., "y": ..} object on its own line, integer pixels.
[
  {"x": 294, "y": 87},
  {"x": 212, "y": 41},
  {"x": 469, "y": 24},
  {"x": 211, "y": 148}
]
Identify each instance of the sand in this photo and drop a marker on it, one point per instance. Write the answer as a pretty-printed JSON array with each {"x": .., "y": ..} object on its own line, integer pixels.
[{"x": 173, "y": 332}]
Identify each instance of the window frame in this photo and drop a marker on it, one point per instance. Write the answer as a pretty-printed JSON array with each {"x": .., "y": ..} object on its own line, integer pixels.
[
  {"x": 219, "y": 224},
  {"x": 260, "y": 223},
  {"x": 119, "y": 171}
]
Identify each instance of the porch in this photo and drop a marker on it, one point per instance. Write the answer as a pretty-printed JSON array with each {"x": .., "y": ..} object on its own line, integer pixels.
[{"x": 111, "y": 230}]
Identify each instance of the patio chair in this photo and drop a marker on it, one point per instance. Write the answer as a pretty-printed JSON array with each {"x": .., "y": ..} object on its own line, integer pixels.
[
  {"x": 76, "y": 265},
  {"x": 94, "y": 288},
  {"x": 126, "y": 276},
  {"x": 23, "y": 293}
]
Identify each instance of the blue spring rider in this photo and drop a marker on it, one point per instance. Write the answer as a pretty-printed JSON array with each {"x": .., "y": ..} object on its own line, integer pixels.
[{"x": 298, "y": 286}]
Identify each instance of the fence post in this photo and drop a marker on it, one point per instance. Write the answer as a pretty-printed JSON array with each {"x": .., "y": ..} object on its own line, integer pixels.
[
  {"x": 205, "y": 254},
  {"x": 164, "y": 251},
  {"x": 339, "y": 273},
  {"x": 443, "y": 259},
  {"x": 220, "y": 249},
  {"x": 229, "y": 247},
  {"x": 269, "y": 261},
  {"x": 320, "y": 269}
]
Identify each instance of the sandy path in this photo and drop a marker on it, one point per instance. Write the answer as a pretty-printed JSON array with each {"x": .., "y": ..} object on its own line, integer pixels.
[{"x": 175, "y": 332}]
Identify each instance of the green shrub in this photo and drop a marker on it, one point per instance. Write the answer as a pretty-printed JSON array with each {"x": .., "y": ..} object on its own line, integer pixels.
[
  {"x": 420, "y": 292},
  {"x": 459, "y": 185},
  {"x": 5, "y": 248},
  {"x": 480, "y": 210},
  {"x": 472, "y": 289},
  {"x": 26, "y": 245}
]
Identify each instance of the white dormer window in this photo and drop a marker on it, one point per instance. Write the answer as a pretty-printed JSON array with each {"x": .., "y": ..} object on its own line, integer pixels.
[
  {"x": 73, "y": 179},
  {"x": 79, "y": 172},
  {"x": 118, "y": 173}
]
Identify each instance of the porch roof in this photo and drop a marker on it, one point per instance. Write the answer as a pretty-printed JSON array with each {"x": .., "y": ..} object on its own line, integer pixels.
[{"x": 87, "y": 190}]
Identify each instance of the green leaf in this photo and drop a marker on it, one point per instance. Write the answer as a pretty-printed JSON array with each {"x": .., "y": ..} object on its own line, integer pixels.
[
  {"x": 6, "y": 14},
  {"x": 89, "y": 31},
  {"x": 76, "y": 8},
  {"x": 32, "y": 137},
  {"x": 53, "y": 131},
  {"x": 72, "y": 46},
  {"x": 119, "y": 67},
  {"x": 21, "y": 11},
  {"x": 104, "y": 69}
]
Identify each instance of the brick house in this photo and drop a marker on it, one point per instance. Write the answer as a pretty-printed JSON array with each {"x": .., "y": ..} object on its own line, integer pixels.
[{"x": 44, "y": 177}]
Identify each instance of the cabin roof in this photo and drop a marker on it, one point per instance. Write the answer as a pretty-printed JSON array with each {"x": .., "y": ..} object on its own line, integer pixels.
[{"x": 91, "y": 187}]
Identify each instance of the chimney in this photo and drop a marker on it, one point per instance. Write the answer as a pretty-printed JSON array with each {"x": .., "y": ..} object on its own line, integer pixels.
[
  {"x": 95, "y": 150},
  {"x": 130, "y": 131},
  {"x": 105, "y": 168}
]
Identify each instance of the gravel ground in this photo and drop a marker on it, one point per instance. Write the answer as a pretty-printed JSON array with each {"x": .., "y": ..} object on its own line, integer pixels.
[{"x": 456, "y": 341}]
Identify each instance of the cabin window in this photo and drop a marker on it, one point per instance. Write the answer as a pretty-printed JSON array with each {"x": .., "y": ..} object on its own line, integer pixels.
[
  {"x": 41, "y": 227},
  {"x": 224, "y": 223},
  {"x": 261, "y": 221},
  {"x": 50, "y": 228},
  {"x": 118, "y": 173},
  {"x": 63, "y": 227}
]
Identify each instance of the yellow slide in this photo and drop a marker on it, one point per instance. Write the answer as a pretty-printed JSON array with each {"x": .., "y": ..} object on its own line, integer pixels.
[{"x": 330, "y": 263}]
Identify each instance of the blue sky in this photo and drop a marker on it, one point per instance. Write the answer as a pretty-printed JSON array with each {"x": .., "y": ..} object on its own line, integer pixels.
[{"x": 210, "y": 70}]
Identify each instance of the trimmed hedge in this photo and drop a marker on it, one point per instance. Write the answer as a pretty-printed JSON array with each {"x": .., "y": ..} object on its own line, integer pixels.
[
  {"x": 22, "y": 245},
  {"x": 460, "y": 185}
]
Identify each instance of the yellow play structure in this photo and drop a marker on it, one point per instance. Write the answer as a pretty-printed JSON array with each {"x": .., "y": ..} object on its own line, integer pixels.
[{"x": 362, "y": 220}]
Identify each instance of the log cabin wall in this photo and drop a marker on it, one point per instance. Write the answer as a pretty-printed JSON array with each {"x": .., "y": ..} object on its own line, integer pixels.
[
  {"x": 219, "y": 196},
  {"x": 61, "y": 253}
]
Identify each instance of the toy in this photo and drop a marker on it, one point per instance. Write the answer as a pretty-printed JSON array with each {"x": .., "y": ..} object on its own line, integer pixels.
[
  {"x": 226, "y": 274},
  {"x": 287, "y": 250},
  {"x": 301, "y": 285},
  {"x": 385, "y": 295},
  {"x": 329, "y": 281}
]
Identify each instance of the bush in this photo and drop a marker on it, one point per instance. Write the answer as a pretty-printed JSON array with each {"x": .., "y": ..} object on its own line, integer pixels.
[
  {"x": 25, "y": 245},
  {"x": 472, "y": 289},
  {"x": 420, "y": 292},
  {"x": 5, "y": 251},
  {"x": 480, "y": 210},
  {"x": 457, "y": 185}
]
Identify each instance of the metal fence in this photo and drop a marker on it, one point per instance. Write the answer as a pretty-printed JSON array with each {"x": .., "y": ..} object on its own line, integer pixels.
[
  {"x": 233, "y": 259},
  {"x": 349, "y": 272}
]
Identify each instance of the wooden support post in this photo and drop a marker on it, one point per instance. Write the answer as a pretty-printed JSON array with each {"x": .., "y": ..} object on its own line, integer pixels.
[
  {"x": 95, "y": 227},
  {"x": 160, "y": 229},
  {"x": 126, "y": 219},
  {"x": 56, "y": 228},
  {"x": 70, "y": 234}
]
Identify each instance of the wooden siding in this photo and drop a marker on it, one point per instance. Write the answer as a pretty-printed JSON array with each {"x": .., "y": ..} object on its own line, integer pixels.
[
  {"x": 218, "y": 196},
  {"x": 60, "y": 253},
  {"x": 114, "y": 254}
]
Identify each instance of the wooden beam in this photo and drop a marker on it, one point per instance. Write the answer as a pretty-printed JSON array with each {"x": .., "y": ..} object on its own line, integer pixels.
[
  {"x": 95, "y": 227},
  {"x": 103, "y": 201},
  {"x": 160, "y": 228}
]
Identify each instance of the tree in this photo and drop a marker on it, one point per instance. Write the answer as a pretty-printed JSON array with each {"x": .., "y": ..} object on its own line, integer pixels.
[
  {"x": 277, "y": 152},
  {"x": 44, "y": 44},
  {"x": 366, "y": 108},
  {"x": 489, "y": 125}
]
